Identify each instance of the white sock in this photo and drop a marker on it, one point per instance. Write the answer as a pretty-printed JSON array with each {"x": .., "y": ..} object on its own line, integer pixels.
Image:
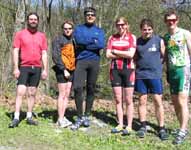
[
  {"x": 29, "y": 114},
  {"x": 16, "y": 115}
]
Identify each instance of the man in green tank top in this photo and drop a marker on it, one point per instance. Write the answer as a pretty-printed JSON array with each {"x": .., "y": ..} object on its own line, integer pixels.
[{"x": 178, "y": 50}]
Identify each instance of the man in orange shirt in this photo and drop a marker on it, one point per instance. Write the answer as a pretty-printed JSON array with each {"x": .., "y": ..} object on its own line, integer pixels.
[{"x": 30, "y": 64}]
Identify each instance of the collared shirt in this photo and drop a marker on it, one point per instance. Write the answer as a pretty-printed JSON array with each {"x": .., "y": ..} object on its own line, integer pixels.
[{"x": 31, "y": 46}]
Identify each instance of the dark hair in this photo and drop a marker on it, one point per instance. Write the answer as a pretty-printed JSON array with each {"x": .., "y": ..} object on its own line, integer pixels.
[
  {"x": 147, "y": 22},
  {"x": 169, "y": 13},
  {"x": 33, "y": 13},
  {"x": 67, "y": 22},
  {"x": 89, "y": 9}
]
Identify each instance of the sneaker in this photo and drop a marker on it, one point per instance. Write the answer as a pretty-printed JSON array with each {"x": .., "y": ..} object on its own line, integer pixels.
[
  {"x": 117, "y": 129},
  {"x": 126, "y": 131},
  {"x": 180, "y": 137},
  {"x": 14, "y": 123},
  {"x": 64, "y": 123},
  {"x": 77, "y": 124},
  {"x": 175, "y": 132},
  {"x": 141, "y": 132},
  {"x": 86, "y": 121},
  {"x": 30, "y": 121},
  {"x": 163, "y": 135}
]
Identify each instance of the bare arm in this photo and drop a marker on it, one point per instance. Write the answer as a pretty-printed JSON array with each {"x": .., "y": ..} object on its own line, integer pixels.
[
  {"x": 124, "y": 54},
  {"x": 109, "y": 54},
  {"x": 15, "y": 58},
  {"x": 188, "y": 40},
  {"x": 162, "y": 48},
  {"x": 45, "y": 64}
]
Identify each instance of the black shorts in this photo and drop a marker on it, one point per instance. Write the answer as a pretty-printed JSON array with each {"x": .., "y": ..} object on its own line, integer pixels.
[
  {"x": 124, "y": 78},
  {"x": 60, "y": 75},
  {"x": 29, "y": 76}
]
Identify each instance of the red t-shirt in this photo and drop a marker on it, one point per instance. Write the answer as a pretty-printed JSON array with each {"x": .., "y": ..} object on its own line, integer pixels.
[
  {"x": 123, "y": 44},
  {"x": 31, "y": 46}
]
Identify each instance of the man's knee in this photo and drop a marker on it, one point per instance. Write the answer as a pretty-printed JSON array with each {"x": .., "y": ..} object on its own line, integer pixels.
[
  {"x": 32, "y": 91},
  {"x": 21, "y": 90}
]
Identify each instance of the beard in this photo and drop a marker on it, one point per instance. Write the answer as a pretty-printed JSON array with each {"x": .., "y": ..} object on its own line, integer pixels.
[{"x": 32, "y": 26}]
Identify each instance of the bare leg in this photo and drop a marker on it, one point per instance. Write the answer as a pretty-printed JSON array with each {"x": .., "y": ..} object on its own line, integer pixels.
[
  {"x": 21, "y": 90},
  {"x": 184, "y": 111},
  {"x": 64, "y": 92},
  {"x": 128, "y": 97},
  {"x": 142, "y": 108},
  {"x": 159, "y": 109},
  {"x": 176, "y": 106},
  {"x": 118, "y": 99},
  {"x": 31, "y": 99}
]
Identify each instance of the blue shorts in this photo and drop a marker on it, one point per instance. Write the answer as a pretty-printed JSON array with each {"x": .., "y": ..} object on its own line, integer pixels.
[{"x": 148, "y": 86}]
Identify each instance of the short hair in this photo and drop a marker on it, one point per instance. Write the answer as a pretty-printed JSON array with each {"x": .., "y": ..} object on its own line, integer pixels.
[
  {"x": 33, "y": 13},
  {"x": 147, "y": 22},
  {"x": 169, "y": 13},
  {"x": 67, "y": 22},
  {"x": 89, "y": 9}
]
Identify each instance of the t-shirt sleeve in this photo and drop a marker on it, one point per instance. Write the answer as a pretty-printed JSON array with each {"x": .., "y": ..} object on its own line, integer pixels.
[
  {"x": 16, "y": 40},
  {"x": 44, "y": 42}
]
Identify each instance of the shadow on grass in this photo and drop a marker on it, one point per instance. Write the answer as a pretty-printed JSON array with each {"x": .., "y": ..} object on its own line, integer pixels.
[
  {"x": 21, "y": 117},
  {"x": 11, "y": 115},
  {"x": 137, "y": 125},
  {"x": 107, "y": 117},
  {"x": 53, "y": 114}
]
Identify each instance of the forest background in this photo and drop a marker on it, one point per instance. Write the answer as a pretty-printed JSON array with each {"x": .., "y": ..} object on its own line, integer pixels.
[
  {"x": 47, "y": 136},
  {"x": 54, "y": 12}
]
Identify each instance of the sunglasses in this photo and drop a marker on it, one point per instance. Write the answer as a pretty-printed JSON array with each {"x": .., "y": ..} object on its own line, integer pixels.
[
  {"x": 121, "y": 24},
  {"x": 171, "y": 20},
  {"x": 92, "y": 15},
  {"x": 147, "y": 29},
  {"x": 67, "y": 28}
]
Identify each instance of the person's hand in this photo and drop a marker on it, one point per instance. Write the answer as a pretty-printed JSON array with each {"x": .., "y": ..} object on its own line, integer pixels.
[
  {"x": 66, "y": 74},
  {"x": 44, "y": 74},
  {"x": 113, "y": 51},
  {"x": 16, "y": 73}
]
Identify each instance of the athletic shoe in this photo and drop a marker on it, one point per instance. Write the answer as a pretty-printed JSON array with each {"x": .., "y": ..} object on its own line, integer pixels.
[
  {"x": 141, "y": 132},
  {"x": 14, "y": 123},
  {"x": 163, "y": 135},
  {"x": 64, "y": 123},
  {"x": 126, "y": 131},
  {"x": 77, "y": 124},
  {"x": 117, "y": 129},
  {"x": 30, "y": 121},
  {"x": 86, "y": 121},
  {"x": 180, "y": 137},
  {"x": 175, "y": 132}
]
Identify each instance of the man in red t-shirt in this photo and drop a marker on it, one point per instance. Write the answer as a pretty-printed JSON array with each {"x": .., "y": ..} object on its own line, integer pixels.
[{"x": 30, "y": 64}]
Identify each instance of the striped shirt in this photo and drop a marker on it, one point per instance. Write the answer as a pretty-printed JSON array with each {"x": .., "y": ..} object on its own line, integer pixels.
[{"x": 124, "y": 43}]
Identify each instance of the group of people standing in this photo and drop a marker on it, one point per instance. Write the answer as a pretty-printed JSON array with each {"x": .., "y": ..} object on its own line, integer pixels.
[{"x": 136, "y": 65}]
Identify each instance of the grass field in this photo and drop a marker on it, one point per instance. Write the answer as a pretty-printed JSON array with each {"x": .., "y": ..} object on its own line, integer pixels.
[{"x": 47, "y": 136}]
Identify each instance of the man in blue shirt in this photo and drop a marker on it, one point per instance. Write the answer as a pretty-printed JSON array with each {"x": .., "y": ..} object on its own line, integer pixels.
[{"x": 89, "y": 41}]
